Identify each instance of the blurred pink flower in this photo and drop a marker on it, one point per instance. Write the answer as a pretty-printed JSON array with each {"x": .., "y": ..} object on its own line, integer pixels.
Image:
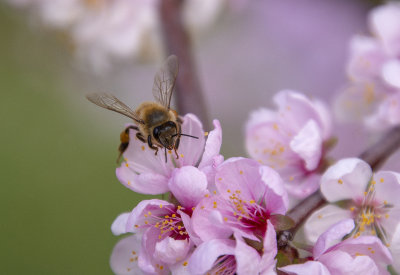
[
  {"x": 374, "y": 69},
  {"x": 247, "y": 195},
  {"x": 291, "y": 140},
  {"x": 103, "y": 31},
  {"x": 372, "y": 200},
  {"x": 359, "y": 255},
  {"x": 146, "y": 173}
]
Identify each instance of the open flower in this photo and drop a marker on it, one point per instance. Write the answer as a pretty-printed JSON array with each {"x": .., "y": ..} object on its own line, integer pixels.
[
  {"x": 374, "y": 69},
  {"x": 371, "y": 200},
  {"x": 144, "y": 172},
  {"x": 291, "y": 140},
  {"x": 355, "y": 255},
  {"x": 164, "y": 227},
  {"x": 248, "y": 195}
]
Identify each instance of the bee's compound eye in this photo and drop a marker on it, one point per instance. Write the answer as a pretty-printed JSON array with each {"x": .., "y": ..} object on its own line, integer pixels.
[{"x": 156, "y": 132}]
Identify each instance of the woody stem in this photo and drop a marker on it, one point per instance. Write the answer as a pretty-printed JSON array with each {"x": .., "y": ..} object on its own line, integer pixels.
[{"x": 188, "y": 92}]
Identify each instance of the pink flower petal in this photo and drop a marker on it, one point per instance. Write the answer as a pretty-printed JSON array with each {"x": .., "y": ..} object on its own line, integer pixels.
[
  {"x": 268, "y": 261},
  {"x": 384, "y": 22},
  {"x": 155, "y": 207},
  {"x": 146, "y": 183},
  {"x": 208, "y": 223},
  {"x": 191, "y": 149},
  {"x": 308, "y": 144},
  {"x": 322, "y": 219},
  {"x": 387, "y": 192},
  {"x": 205, "y": 255},
  {"x": 118, "y": 227},
  {"x": 332, "y": 236},
  {"x": 275, "y": 195},
  {"x": 187, "y": 222},
  {"x": 171, "y": 251},
  {"x": 339, "y": 262},
  {"x": 189, "y": 185},
  {"x": 247, "y": 258},
  {"x": 213, "y": 145},
  {"x": 124, "y": 257},
  {"x": 310, "y": 267},
  {"x": 347, "y": 179}
]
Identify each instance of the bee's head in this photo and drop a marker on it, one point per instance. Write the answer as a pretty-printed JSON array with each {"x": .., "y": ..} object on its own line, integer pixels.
[{"x": 166, "y": 134}]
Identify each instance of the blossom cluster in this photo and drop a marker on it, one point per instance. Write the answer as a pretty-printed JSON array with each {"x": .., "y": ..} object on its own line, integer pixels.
[
  {"x": 225, "y": 216},
  {"x": 373, "y": 68},
  {"x": 102, "y": 31}
]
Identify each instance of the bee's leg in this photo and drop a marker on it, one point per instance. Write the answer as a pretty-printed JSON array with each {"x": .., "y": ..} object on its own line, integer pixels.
[
  {"x": 151, "y": 145},
  {"x": 140, "y": 137}
]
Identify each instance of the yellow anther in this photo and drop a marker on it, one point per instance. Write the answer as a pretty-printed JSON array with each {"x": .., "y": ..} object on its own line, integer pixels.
[
  {"x": 320, "y": 216},
  {"x": 225, "y": 219},
  {"x": 185, "y": 263},
  {"x": 161, "y": 206},
  {"x": 205, "y": 133},
  {"x": 381, "y": 180},
  {"x": 214, "y": 192},
  {"x": 291, "y": 178},
  {"x": 126, "y": 164},
  {"x": 241, "y": 172},
  {"x": 252, "y": 201},
  {"x": 181, "y": 155},
  {"x": 275, "y": 126},
  {"x": 143, "y": 147},
  {"x": 340, "y": 181}
]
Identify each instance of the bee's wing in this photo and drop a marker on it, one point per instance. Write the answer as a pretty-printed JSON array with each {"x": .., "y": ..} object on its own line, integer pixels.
[
  {"x": 164, "y": 81},
  {"x": 112, "y": 103}
]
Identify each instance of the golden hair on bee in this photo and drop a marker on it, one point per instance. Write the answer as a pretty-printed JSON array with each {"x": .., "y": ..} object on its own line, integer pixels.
[{"x": 155, "y": 122}]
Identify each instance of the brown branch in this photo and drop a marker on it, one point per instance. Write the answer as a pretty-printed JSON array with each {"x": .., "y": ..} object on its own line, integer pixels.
[
  {"x": 188, "y": 93},
  {"x": 375, "y": 156}
]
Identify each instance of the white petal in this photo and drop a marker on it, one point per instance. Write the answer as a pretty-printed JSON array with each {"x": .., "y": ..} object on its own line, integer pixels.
[
  {"x": 171, "y": 251},
  {"x": 347, "y": 179},
  {"x": 308, "y": 268},
  {"x": 118, "y": 227},
  {"x": 391, "y": 72},
  {"x": 123, "y": 259},
  {"x": 322, "y": 219}
]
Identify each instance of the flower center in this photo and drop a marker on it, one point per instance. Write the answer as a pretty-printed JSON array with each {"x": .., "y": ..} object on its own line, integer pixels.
[
  {"x": 369, "y": 213},
  {"x": 225, "y": 265},
  {"x": 249, "y": 214}
]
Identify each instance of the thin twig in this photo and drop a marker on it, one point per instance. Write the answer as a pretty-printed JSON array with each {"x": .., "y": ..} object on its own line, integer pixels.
[{"x": 188, "y": 93}]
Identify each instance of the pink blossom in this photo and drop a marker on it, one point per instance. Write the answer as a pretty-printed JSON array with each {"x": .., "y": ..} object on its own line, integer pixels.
[
  {"x": 371, "y": 200},
  {"x": 291, "y": 140},
  {"x": 227, "y": 256},
  {"x": 166, "y": 230},
  {"x": 144, "y": 172},
  {"x": 374, "y": 69},
  {"x": 355, "y": 255},
  {"x": 247, "y": 196}
]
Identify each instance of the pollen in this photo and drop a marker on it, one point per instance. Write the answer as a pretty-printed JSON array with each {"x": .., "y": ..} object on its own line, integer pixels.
[
  {"x": 381, "y": 180},
  {"x": 275, "y": 126},
  {"x": 291, "y": 178},
  {"x": 225, "y": 219},
  {"x": 205, "y": 133},
  {"x": 214, "y": 192},
  {"x": 126, "y": 164},
  {"x": 206, "y": 195},
  {"x": 143, "y": 148},
  {"x": 252, "y": 201},
  {"x": 340, "y": 181},
  {"x": 169, "y": 152},
  {"x": 133, "y": 252},
  {"x": 129, "y": 183},
  {"x": 161, "y": 206},
  {"x": 241, "y": 172},
  {"x": 320, "y": 216},
  {"x": 185, "y": 263},
  {"x": 219, "y": 179},
  {"x": 181, "y": 155}
]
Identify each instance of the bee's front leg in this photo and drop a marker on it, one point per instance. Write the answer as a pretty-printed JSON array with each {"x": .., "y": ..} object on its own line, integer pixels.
[{"x": 151, "y": 145}]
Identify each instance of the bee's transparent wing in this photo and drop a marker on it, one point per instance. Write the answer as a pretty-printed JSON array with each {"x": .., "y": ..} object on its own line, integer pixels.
[
  {"x": 112, "y": 103},
  {"x": 164, "y": 81}
]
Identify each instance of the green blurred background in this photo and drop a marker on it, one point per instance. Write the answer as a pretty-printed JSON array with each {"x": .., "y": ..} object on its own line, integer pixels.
[{"x": 59, "y": 194}]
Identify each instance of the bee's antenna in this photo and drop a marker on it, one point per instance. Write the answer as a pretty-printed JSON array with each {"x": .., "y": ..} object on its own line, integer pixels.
[{"x": 185, "y": 136}]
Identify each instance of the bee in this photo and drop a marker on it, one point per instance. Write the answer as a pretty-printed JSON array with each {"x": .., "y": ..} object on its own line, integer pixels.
[{"x": 155, "y": 122}]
